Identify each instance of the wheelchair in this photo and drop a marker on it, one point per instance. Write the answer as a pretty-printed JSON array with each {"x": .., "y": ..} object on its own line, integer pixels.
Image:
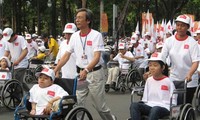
[
  {"x": 183, "y": 111},
  {"x": 197, "y": 99},
  {"x": 67, "y": 106},
  {"x": 126, "y": 79},
  {"x": 11, "y": 90},
  {"x": 34, "y": 67}
]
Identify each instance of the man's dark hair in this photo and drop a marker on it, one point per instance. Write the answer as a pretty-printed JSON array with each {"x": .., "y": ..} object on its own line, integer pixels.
[{"x": 89, "y": 15}]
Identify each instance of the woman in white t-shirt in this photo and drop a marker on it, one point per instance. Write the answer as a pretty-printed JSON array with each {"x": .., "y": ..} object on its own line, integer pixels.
[{"x": 184, "y": 55}]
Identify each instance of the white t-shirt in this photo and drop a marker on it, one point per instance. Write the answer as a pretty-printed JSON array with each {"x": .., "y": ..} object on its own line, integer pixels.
[
  {"x": 41, "y": 96},
  {"x": 2, "y": 47},
  {"x": 32, "y": 49},
  {"x": 182, "y": 53},
  {"x": 69, "y": 69},
  {"x": 122, "y": 61},
  {"x": 199, "y": 62},
  {"x": 151, "y": 44},
  {"x": 158, "y": 92},
  {"x": 93, "y": 41},
  {"x": 15, "y": 48},
  {"x": 139, "y": 51}
]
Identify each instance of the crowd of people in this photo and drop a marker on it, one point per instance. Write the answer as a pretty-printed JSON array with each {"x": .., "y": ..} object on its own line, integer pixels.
[{"x": 83, "y": 53}]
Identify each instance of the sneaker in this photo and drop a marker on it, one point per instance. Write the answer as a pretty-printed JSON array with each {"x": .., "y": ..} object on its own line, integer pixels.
[{"x": 114, "y": 117}]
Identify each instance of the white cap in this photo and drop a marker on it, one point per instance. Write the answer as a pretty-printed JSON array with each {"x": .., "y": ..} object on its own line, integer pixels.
[
  {"x": 48, "y": 72},
  {"x": 195, "y": 34},
  {"x": 156, "y": 57},
  {"x": 134, "y": 38},
  {"x": 8, "y": 61},
  {"x": 7, "y": 32},
  {"x": 42, "y": 48},
  {"x": 34, "y": 35},
  {"x": 198, "y": 31},
  {"x": 183, "y": 18},
  {"x": 70, "y": 28},
  {"x": 28, "y": 36},
  {"x": 121, "y": 46},
  {"x": 159, "y": 45}
]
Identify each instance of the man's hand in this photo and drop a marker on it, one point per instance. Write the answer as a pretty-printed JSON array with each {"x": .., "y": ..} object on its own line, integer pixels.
[
  {"x": 15, "y": 63},
  {"x": 83, "y": 74}
]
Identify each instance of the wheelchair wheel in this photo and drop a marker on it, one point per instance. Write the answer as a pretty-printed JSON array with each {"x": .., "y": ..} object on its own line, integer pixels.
[
  {"x": 132, "y": 78},
  {"x": 187, "y": 113},
  {"x": 123, "y": 89},
  {"x": 197, "y": 99},
  {"x": 29, "y": 79},
  {"x": 12, "y": 94},
  {"x": 79, "y": 113},
  {"x": 119, "y": 83},
  {"x": 37, "y": 69}
]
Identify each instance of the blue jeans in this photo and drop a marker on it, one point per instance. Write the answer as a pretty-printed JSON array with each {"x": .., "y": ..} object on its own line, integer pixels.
[{"x": 153, "y": 113}]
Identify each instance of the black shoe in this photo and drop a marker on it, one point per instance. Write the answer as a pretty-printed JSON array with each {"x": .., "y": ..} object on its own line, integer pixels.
[
  {"x": 113, "y": 85},
  {"x": 107, "y": 87}
]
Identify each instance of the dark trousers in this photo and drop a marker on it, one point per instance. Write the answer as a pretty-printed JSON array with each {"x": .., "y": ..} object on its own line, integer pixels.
[
  {"x": 189, "y": 93},
  {"x": 153, "y": 113},
  {"x": 19, "y": 75}
]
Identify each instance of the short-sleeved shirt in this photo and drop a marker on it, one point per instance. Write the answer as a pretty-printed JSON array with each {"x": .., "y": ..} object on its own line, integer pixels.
[
  {"x": 32, "y": 49},
  {"x": 139, "y": 51},
  {"x": 41, "y": 96},
  {"x": 93, "y": 42},
  {"x": 15, "y": 48},
  {"x": 69, "y": 69},
  {"x": 182, "y": 53},
  {"x": 53, "y": 43},
  {"x": 157, "y": 92},
  {"x": 41, "y": 56},
  {"x": 122, "y": 61},
  {"x": 2, "y": 47}
]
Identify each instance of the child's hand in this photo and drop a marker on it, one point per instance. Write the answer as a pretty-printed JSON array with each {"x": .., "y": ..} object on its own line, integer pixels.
[
  {"x": 47, "y": 110},
  {"x": 33, "y": 112}
]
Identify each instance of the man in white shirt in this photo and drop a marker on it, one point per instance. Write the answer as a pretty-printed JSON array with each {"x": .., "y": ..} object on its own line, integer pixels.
[
  {"x": 2, "y": 44},
  {"x": 87, "y": 44},
  {"x": 125, "y": 58},
  {"x": 16, "y": 48},
  {"x": 32, "y": 46}
]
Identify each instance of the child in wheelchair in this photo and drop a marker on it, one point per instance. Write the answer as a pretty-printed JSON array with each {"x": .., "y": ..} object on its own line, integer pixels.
[
  {"x": 41, "y": 54},
  {"x": 123, "y": 57},
  {"x": 5, "y": 73},
  {"x": 158, "y": 89},
  {"x": 45, "y": 95},
  {"x": 5, "y": 64}
]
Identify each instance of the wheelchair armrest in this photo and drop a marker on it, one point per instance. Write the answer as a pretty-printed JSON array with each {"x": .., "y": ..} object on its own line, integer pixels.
[
  {"x": 134, "y": 90},
  {"x": 176, "y": 91},
  {"x": 23, "y": 103},
  {"x": 137, "y": 89},
  {"x": 67, "y": 100},
  {"x": 70, "y": 99}
]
